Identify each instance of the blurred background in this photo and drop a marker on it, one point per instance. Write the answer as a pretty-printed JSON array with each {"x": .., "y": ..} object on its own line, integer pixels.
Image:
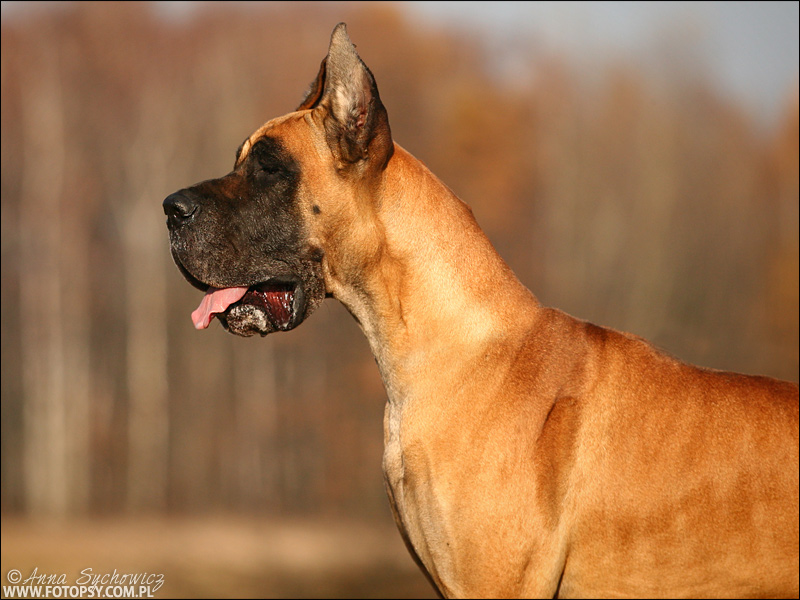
[{"x": 636, "y": 165}]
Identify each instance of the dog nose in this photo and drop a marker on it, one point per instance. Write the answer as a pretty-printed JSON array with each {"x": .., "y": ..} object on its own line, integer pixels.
[{"x": 179, "y": 210}]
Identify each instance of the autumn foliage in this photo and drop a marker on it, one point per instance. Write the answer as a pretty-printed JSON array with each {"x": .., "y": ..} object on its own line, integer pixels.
[{"x": 656, "y": 207}]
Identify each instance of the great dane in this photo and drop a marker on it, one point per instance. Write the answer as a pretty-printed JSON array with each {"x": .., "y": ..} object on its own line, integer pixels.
[{"x": 528, "y": 453}]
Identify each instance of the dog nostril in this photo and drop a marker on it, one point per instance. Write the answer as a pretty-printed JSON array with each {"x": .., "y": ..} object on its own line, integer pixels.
[{"x": 179, "y": 209}]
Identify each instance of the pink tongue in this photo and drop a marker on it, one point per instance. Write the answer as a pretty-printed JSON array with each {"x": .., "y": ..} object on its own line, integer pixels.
[{"x": 215, "y": 301}]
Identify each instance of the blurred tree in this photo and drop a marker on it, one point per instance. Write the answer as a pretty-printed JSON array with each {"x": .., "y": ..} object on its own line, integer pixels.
[{"x": 649, "y": 205}]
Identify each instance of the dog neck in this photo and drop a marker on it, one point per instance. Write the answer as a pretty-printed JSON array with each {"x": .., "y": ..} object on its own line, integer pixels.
[{"x": 433, "y": 272}]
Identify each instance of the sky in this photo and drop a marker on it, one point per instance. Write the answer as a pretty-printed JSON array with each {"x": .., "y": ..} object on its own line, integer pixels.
[{"x": 750, "y": 50}]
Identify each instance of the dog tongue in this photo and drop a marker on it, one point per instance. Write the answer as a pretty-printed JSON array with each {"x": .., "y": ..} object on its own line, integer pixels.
[{"x": 216, "y": 300}]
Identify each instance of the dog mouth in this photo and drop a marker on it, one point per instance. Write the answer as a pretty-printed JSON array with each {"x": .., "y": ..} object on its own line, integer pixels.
[{"x": 274, "y": 305}]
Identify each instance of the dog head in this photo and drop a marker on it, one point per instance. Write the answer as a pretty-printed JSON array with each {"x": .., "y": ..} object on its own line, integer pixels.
[{"x": 266, "y": 241}]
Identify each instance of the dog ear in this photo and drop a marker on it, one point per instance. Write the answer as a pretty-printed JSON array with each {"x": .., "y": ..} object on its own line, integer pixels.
[
  {"x": 356, "y": 123},
  {"x": 315, "y": 89}
]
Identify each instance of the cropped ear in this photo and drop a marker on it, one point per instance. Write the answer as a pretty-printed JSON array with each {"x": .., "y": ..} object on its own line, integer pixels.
[
  {"x": 315, "y": 90},
  {"x": 356, "y": 123}
]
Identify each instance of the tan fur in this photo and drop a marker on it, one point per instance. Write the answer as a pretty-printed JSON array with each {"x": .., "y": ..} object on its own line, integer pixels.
[{"x": 529, "y": 453}]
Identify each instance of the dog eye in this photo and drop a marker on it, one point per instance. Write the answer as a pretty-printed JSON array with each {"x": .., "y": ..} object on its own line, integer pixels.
[{"x": 269, "y": 167}]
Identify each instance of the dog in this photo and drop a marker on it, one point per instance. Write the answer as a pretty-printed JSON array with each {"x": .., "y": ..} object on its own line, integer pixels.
[{"x": 527, "y": 453}]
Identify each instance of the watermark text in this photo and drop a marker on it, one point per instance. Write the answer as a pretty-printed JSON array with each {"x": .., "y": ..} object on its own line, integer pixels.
[{"x": 87, "y": 584}]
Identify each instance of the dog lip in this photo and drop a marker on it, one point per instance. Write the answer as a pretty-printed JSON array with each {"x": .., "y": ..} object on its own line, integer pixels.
[
  {"x": 265, "y": 297},
  {"x": 294, "y": 285},
  {"x": 204, "y": 286},
  {"x": 194, "y": 281}
]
